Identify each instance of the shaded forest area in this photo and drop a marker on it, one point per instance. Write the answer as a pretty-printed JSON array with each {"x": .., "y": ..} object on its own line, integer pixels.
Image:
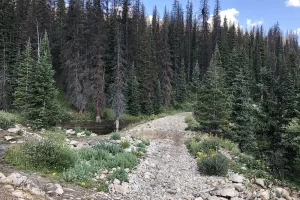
[{"x": 242, "y": 84}]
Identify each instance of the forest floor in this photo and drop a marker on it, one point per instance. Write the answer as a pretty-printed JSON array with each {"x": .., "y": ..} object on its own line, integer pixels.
[{"x": 167, "y": 172}]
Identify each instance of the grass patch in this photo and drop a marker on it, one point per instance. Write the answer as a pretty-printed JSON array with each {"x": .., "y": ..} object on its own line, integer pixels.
[
  {"x": 193, "y": 125},
  {"x": 115, "y": 136},
  {"x": 119, "y": 174},
  {"x": 125, "y": 144},
  {"x": 8, "y": 120}
]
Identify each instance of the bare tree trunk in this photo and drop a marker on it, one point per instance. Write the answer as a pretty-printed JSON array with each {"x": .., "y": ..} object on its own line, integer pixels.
[{"x": 117, "y": 124}]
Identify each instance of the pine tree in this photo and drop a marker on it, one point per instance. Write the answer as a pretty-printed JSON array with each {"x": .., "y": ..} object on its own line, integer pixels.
[
  {"x": 212, "y": 110},
  {"x": 43, "y": 105},
  {"x": 195, "y": 84},
  {"x": 181, "y": 86},
  {"x": 158, "y": 100},
  {"x": 242, "y": 111},
  {"x": 132, "y": 93},
  {"x": 25, "y": 72}
]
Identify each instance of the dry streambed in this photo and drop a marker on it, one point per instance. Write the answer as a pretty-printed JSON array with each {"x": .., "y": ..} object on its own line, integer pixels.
[{"x": 167, "y": 172}]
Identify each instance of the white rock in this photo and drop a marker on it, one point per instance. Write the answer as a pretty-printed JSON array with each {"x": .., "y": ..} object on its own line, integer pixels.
[
  {"x": 16, "y": 179},
  {"x": 93, "y": 135},
  {"x": 226, "y": 192},
  {"x": 18, "y": 193},
  {"x": 69, "y": 131},
  {"x": 127, "y": 170},
  {"x": 14, "y": 130},
  {"x": 67, "y": 140},
  {"x": 122, "y": 189},
  {"x": 105, "y": 171},
  {"x": 265, "y": 194},
  {"x": 213, "y": 198},
  {"x": 199, "y": 198},
  {"x": 8, "y": 137},
  {"x": 20, "y": 142},
  {"x": 59, "y": 190},
  {"x": 236, "y": 178},
  {"x": 148, "y": 175},
  {"x": 2, "y": 178},
  {"x": 117, "y": 182},
  {"x": 281, "y": 192},
  {"x": 81, "y": 134},
  {"x": 260, "y": 182},
  {"x": 102, "y": 176},
  {"x": 74, "y": 143},
  {"x": 80, "y": 145}
]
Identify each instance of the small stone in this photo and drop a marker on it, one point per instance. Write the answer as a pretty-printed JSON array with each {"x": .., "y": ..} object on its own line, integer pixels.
[
  {"x": 105, "y": 171},
  {"x": 117, "y": 182},
  {"x": 15, "y": 179},
  {"x": 122, "y": 189},
  {"x": 281, "y": 192},
  {"x": 239, "y": 187},
  {"x": 260, "y": 182},
  {"x": 172, "y": 191},
  {"x": 226, "y": 192},
  {"x": 102, "y": 176},
  {"x": 93, "y": 135},
  {"x": 213, "y": 198},
  {"x": 8, "y": 137},
  {"x": 67, "y": 140},
  {"x": 127, "y": 170},
  {"x": 9, "y": 187},
  {"x": 69, "y": 131},
  {"x": 59, "y": 190},
  {"x": 265, "y": 194},
  {"x": 74, "y": 143},
  {"x": 236, "y": 178},
  {"x": 148, "y": 175},
  {"x": 14, "y": 130},
  {"x": 18, "y": 193},
  {"x": 20, "y": 142},
  {"x": 199, "y": 198}
]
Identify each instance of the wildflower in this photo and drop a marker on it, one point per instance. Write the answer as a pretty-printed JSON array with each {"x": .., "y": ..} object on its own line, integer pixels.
[
  {"x": 83, "y": 183},
  {"x": 54, "y": 174}
]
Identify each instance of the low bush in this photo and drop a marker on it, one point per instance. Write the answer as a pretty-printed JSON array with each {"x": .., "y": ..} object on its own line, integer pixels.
[
  {"x": 119, "y": 174},
  {"x": 87, "y": 132},
  {"x": 51, "y": 155},
  {"x": 7, "y": 120},
  {"x": 141, "y": 145},
  {"x": 146, "y": 142},
  {"x": 115, "y": 136},
  {"x": 213, "y": 164},
  {"x": 123, "y": 160},
  {"x": 193, "y": 125},
  {"x": 90, "y": 153},
  {"x": 109, "y": 147},
  {"x": 125, "y": 144},
  {"x": 108, "y": 114},
  {"x": 206, "y": 145},
  {"x": 15, "y": 155},
  {"x": 102, "y": 186},
  {"x": 82, "y": 171}
]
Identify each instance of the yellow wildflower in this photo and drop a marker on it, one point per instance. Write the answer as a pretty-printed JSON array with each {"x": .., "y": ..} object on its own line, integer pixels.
[
  {"x": 54, "y": 174},
  {"x": 83, "y": 183}
]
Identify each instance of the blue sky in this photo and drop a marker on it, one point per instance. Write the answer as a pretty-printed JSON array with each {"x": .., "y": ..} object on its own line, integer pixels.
[{"x": 246, "y": 12}]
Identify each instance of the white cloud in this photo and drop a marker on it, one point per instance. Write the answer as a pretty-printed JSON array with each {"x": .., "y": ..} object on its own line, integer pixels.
[
  {"x": 293, "y": 3},
  {"x": 230, "y": 14},
  {"x": 251, "y": 23}
]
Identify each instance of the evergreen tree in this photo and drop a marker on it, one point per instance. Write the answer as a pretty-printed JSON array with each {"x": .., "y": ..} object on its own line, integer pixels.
[
  {"x": 132, "y": 93},
  {"x": 181, "y": 86},
  {"x": 43, "y": 105},
  {"x": 242, "y": 107},
  {"x": 25, "y": 72},
  {"x": 195, "y": 84},
  {"x": 213, "y": 110},
  {"x": 158, "y": 100}
]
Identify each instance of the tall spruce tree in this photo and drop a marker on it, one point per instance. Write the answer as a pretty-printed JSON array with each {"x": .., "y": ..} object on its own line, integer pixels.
[
  {"x": 213, "y": 110},
  {"x": 132, "y": 93}
]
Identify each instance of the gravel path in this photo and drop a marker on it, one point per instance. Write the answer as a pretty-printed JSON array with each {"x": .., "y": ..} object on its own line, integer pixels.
[{"x": 168, "y": 172}]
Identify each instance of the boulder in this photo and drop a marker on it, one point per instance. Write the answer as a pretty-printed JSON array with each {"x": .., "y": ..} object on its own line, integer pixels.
[
  {"x": 70, "y": 131},
  {"x": 2, "y": 178},
  {"x": 117, "y": 182},
  {"x": 14, "y": 130},
  {"x": 236, "y": 178},
  {"x": 16, "y": 179}
]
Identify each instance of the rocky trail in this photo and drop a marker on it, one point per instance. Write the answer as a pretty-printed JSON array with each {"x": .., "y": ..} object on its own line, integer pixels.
[{"x": 167, "y": 172}]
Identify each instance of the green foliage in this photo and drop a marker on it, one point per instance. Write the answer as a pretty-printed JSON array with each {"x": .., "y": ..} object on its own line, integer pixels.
[
  {"x": 193, "y": 125},
  {"x": 15, "y": 155},
  {"x": 102, "y": 186},
  {"x": 158, "y": 99},
  {"x": 123, "y": 160},
  {"x": 181, "y": 86},
  {"x": 213, "y": 107},
  {"x": 111, "y": 148},
  {"x": 214, "y": 164},
  {"x": 146, "y": 142},
  {"x": 141, "y": 149},
  {"x": 141, "y": 145},
  {"x": 87, "y": 132},
  {"x": 125, "y": 144},
  {"x": 7, "y": 120},
  {"x": 119, "y": 174},
  {"x": 82, "y": 171},
  {"x": 50, "y": 155},
  {"x": 115, "y": 136},
  {"x": 77, "y": 129},
  {"x": 203, "y": 145},
  {"x": 108, "y": 114}
]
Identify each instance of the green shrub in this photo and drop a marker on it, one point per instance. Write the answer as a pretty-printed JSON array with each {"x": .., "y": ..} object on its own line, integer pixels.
[
  {"x": 125, "y": 144},
  {"x": 140, "y": 149},
  {"x": 7, "y": 120},
  {"x": 20, "y": 132},
  {"x": 213, "y": 164},
  {"x": 15, "y": 155},
  {"x": 115, "y": 136},
  {"x": 123, "y": 160},
  {"x": 206, "y": 145},
  {"x": 109, "y": 147},
  {"x": 102, "y": 186},
  {"x": 193, "y": 125},
  {"x": 51, "y": 155},
  {"x": 146, "y": 142},
  {"x": 77, "y": 129},
  {"x": 90, "y": 153},
  {"x": 108, "y": 114},
  {"x": 82, "y": 171},
  {"x": 87, "y": 132},
  {"x": 119, "y": 174},
  {"x": 141, "y": 145}
]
